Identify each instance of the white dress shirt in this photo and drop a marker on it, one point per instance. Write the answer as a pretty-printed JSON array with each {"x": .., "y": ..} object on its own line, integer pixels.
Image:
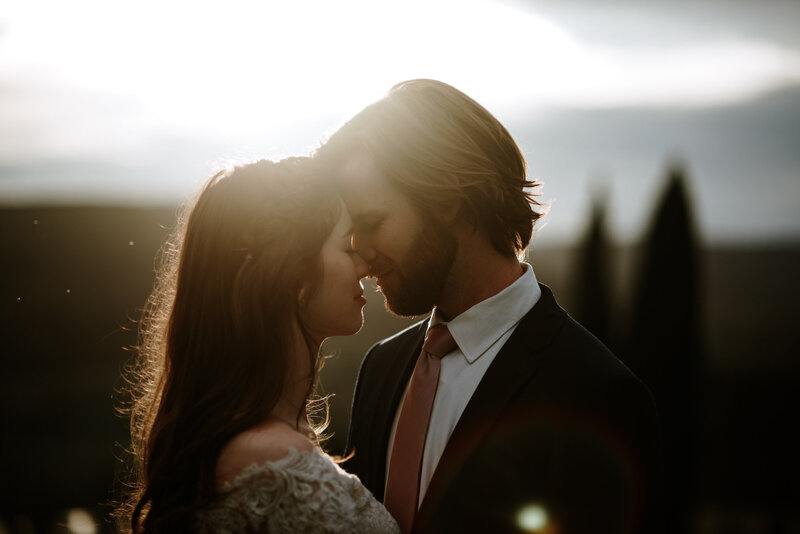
[{"x": 480, "y": 333}]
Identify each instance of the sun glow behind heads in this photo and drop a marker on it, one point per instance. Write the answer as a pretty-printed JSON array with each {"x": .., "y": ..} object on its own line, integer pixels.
[
  {"x": 210, "y": 63},
  {"x": 240, "y": 66}
]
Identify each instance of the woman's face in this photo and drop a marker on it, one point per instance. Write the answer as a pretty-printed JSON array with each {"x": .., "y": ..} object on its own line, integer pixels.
[{"x": 335, "y": 307}]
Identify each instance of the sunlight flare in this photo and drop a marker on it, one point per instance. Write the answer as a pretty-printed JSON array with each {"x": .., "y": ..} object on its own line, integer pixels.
[{"x": 245, "y": 65}]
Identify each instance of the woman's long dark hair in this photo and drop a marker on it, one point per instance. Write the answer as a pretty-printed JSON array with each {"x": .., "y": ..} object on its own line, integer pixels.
[{"x": 216, "y": 335}]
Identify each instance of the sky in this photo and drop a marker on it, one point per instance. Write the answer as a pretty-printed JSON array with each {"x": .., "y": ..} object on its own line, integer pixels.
[{"x": 137, "y": 103}]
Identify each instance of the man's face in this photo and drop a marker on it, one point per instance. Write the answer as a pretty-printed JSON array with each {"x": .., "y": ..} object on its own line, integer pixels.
[{"x": 410, "y": 255}]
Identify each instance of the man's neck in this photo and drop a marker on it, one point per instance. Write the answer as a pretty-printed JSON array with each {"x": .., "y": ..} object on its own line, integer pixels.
[{"x": 478, "y": 272}]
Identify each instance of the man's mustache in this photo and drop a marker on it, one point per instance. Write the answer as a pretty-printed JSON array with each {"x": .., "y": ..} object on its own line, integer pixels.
[{"x": 377, "y": 268}]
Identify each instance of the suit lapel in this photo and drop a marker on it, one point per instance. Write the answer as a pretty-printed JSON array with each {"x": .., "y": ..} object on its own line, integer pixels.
[
  {"x": 514, "y": 366},
  {"x": 397, "y": 374}
]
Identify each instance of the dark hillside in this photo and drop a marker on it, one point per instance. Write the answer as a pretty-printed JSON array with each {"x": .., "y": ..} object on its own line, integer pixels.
[{"x": 74, "y": 279}]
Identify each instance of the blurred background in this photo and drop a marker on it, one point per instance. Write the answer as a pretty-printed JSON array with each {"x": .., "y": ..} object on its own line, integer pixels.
[{"x": 667, "y": 136}]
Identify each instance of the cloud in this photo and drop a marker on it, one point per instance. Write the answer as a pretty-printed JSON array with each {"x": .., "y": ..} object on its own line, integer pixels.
[
  {"x": 41, "y": 120},
  {"x": 241, "y": 66}
]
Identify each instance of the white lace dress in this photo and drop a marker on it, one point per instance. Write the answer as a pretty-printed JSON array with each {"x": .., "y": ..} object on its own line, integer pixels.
[{"x": 306, "y": 491}]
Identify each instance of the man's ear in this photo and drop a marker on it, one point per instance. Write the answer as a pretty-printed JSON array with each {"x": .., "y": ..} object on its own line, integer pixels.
[{"x": 451, "y": 209}]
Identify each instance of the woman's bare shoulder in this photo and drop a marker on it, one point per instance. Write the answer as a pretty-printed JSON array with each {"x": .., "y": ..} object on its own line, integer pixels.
[{"x": 267, "y": 442}]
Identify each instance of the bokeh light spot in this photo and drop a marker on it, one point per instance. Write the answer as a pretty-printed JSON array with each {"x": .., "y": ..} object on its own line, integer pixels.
[
  {"x": 532, "y": 518},
  {"x": 79, "y": 521}
]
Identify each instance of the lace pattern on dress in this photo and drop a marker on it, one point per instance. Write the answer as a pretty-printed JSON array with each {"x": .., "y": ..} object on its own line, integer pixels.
[{"x": 305, "y": 491}]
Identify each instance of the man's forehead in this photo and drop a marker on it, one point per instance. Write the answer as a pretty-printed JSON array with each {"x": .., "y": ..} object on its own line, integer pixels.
[
  {"x": 360, "y": 167},
  {"x": 360, "y": 181}
]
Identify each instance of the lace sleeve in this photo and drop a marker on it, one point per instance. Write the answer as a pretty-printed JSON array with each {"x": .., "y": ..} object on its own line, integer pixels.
[{"x": 302, "y": 492}]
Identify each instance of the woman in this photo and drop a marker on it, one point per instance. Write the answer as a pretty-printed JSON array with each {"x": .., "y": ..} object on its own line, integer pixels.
[{"x": 260, "y": 273}]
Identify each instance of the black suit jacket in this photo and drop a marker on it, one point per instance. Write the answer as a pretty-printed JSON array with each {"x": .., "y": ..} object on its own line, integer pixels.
[{"x": 557, "y": 423}]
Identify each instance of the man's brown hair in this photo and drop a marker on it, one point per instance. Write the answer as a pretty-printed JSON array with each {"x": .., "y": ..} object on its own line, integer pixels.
[{"x": 438, "y": 147}]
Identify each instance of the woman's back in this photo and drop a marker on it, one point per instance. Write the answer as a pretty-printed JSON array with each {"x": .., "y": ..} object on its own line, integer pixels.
[
  {"x": 273, "y": 479},
  {"x": 267, "y": 442}
]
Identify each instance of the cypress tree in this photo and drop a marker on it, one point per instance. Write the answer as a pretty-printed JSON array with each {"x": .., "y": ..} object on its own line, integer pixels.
[{"x": 665, "y": 345}]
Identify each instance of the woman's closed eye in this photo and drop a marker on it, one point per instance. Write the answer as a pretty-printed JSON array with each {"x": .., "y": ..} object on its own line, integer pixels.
[{"x": 347, "y": 243}]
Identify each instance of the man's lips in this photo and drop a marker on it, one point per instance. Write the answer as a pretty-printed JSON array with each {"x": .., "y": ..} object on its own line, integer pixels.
[
  {"x": 378, "y": 269},
  {"x": 381, "y": 274}
]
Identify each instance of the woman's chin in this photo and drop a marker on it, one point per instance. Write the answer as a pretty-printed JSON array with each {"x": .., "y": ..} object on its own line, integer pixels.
[
  {"x": 355, "y": 328},
  {"x": 347, "y": 330}
]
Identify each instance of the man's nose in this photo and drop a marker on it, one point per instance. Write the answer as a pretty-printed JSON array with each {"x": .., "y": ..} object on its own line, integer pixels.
[
  {"x": 362, "y": 246},
  {"x": 362, "y": 269}
]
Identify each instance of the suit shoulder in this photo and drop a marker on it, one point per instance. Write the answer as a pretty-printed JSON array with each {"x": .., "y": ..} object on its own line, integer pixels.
[
  {"x": 384, "y": 355},
  {"x": 594, "y": 365},
  {"x": 402, "y": 337},
  {"x": 568, "y": 346},
  {"x": 575, "y": 334}
]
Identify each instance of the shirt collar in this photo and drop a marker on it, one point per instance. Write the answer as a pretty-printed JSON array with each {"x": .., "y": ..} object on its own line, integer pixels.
[{"x": 482, "y": 325}]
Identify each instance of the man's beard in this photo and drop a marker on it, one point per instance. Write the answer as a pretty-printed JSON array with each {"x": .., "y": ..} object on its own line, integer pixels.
[{"x": 420, "y": 277}]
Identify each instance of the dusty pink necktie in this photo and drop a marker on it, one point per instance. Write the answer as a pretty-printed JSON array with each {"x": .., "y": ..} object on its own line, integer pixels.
[{"x": 405, "y": 466}]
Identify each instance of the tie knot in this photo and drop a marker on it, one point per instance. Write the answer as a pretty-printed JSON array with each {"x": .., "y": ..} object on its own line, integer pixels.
[{"x": 439, "y": 341}]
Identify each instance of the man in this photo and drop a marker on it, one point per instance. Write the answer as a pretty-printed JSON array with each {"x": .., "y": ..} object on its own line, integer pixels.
[{"x": 534, "y": 424}]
